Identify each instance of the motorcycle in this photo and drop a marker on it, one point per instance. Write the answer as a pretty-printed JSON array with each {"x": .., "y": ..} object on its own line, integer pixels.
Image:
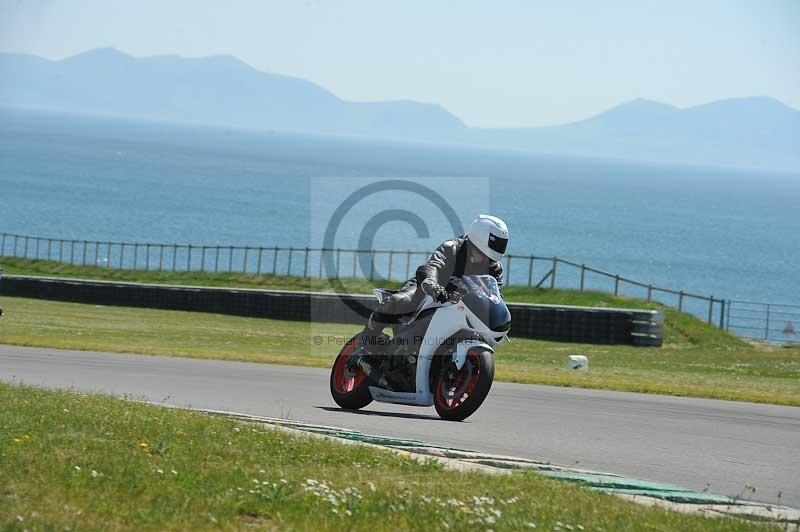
[{"x": 442, "y": 355}]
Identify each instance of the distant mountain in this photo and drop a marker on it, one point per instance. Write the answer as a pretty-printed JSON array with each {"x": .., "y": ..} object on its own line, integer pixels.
[
  {"x": 220, "y": 90},
  {"x": 755, "y": 132}
]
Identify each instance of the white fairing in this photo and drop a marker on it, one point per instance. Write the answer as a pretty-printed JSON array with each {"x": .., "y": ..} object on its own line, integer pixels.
[{"x": 449, "y": 319}]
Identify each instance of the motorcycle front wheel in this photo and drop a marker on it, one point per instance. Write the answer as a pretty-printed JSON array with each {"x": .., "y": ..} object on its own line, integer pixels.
[
  {"x": 349, "y": 384},
  {"x": 457, "y": 396}
]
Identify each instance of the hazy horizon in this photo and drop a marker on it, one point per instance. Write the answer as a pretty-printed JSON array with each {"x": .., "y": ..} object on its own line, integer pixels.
[{"x": 508, "y": 65}]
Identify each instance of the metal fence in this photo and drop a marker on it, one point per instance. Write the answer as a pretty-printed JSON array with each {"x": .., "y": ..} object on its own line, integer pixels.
[
  {"x": 764, "y": 321},
  {"x": 373, "y": 264}
]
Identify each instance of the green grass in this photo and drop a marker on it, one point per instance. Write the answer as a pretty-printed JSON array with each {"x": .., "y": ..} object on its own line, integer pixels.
[
  {"x": 89, "y": 462},
  {"x": 681, "y": 328},
  {"x": 698, "y": 360}
]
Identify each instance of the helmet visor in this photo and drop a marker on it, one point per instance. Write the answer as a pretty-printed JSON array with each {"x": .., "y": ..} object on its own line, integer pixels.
[{"x": 497, "y": 243}]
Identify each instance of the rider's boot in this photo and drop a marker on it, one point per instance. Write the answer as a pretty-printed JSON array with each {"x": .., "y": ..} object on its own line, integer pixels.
[{"x": 373, "y": 345}]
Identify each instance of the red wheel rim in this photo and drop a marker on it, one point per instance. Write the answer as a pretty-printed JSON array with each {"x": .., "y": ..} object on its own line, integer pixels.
[
  {"x": 346, "y": 379},
  {"x": 452, "y": 393}
]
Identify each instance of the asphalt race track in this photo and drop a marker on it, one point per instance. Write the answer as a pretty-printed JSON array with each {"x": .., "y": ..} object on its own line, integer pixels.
[{"x": 695, "y": 443}]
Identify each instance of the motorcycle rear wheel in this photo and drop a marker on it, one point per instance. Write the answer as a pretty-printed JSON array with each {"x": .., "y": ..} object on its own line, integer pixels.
[
  {"x": 349, "y": 385},
  {"x": 459, "y": 397}
]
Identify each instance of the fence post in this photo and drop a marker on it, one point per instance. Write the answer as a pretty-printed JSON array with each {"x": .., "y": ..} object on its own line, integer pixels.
[
  {"x": 274, "y": 260},
  {"x": 3, "y": 246},
  {"x": 122, "y": 256},
  {"x": 305, "y": 264},
  {"x": 49, "y": 246},
  {"x": 766, "y": 326},
  {"x": 108, "y": 254},
  {"x": 83, "y": 255},
  {"x": 710, "y": 310},
  {"x": 216, "y": 259},
  {"x": 160, "y": 257},
  {"x": 25, "y": 254},
  {"x": 553, "y": 276},
  {"x": 355, "y": 259},
  {"x": 680, "y": 301},
  {"x": 37, "y": 247},
  {"x": 408, "y": 262},
  {"x": 202, "y": 258},
  {"x": 321, "y": 260},
  {"x": 96, "y": 251},
  {"x": 246, "y": 251},
  {"x": 391, "y": 258},
  {"x": 72, "y": 252},
  {"x": 260, "y": 253},
  {"x": 230, "y": 258},
  {"x": 508, "y": 264},
  {"x": 371, "y": 264},
  {"x": 530, "y": 271},
  {"x": 174, "y": 257},
  {"x": 583, "y": 276},
  {"x": 616, "y": 285},
  {"x": 722, "y": 314},
  {"x": 649, "y": 293},
  {"x": 14, "y": 254},
  {"x": 147, "y": 257},
  {"x": 60, "y": 250},
  {"x": 289, "y": 266},
  {"x": 189, "y": 258},
  {"x": 338, "y": 256}
]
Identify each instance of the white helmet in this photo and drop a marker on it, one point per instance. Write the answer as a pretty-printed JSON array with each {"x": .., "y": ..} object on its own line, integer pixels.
[{"x": 490, "y": 235}]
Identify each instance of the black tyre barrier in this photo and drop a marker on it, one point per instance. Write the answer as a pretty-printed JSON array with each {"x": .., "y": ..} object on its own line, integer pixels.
[{"x": 597, "y": 325}]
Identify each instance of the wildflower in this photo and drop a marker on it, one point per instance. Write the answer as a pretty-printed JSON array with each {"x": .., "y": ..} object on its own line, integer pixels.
[
  {"x": 94, "y": 473},
  {"x": 77, "y": 468},
  {"x": 235, "y": 429},
  {"x": 531, "y": 525},
  {"x": 143, "y": 445},
  {"x": 20, "y": 518},
  {"x": 17, "y": 440},
  {"x": 371, "y": 486},
  {"x": 261, "y": 471},
  {"x": 173, "y": 471},
  {"x": 27, "y": 437},
  {"x": 160, "y": 471},
  {"x": 348, "y": 512},
  {"x": 284, "y": 481},
  {"x": 66, "y": 411}
]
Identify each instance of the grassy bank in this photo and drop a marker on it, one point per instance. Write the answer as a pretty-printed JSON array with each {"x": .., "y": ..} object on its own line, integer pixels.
[
  {"x": 699, "y": 361},
  {"x": 680, "y": 327},
  {"x": 81, "y": 462}
]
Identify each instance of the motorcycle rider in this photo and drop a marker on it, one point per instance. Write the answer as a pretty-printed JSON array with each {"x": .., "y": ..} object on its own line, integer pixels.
[{"x": 478, "y": 252}]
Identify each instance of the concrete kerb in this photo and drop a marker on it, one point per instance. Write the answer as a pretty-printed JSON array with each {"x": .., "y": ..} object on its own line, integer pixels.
[{"x": 645, "y": 493}]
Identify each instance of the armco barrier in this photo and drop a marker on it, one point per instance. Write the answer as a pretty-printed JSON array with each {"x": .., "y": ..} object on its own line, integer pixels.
[{"x": 544, "y": 322}]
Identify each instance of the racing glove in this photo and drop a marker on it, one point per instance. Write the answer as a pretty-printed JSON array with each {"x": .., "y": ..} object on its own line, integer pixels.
[
  {"x": 456, "y": 289},
  {"x": 435, "y": 290}
]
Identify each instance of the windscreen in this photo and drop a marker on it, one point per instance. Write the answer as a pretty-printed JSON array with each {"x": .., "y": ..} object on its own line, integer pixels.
[{"x": 484, "y": 286}]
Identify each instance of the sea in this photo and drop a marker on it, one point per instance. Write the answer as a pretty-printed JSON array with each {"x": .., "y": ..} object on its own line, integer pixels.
[{"x": 732, "y": 233}]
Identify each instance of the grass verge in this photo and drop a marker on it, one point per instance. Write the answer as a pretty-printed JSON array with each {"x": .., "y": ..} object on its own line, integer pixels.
[
  {"x": 91, "y": 462},
  {"x": 697, "y": 362}
]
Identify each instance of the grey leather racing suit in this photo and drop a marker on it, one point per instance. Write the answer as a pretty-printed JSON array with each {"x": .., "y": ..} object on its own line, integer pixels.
[{"x": 453, "y": 258}]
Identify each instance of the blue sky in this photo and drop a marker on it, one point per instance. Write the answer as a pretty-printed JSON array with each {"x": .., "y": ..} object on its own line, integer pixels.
[{"x": 504, "y": 63}]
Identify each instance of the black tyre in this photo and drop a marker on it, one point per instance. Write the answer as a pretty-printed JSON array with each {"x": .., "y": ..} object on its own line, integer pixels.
[
  {"x": 349, "y": 385},
  {"x": 458, "y": 397}
]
